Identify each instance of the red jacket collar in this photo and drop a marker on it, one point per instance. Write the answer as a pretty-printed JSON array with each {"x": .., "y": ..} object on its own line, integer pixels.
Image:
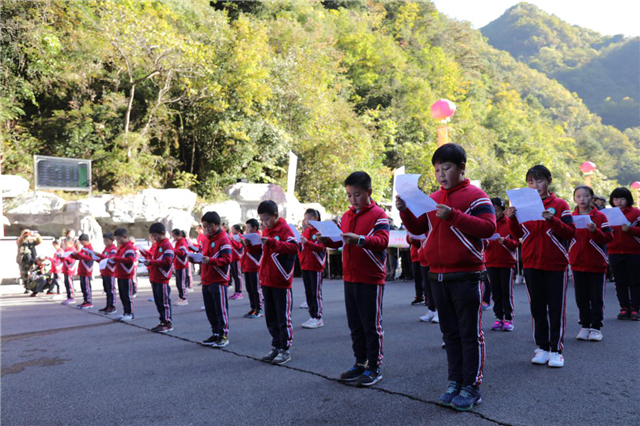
[
  {"x": 217, "y": 235},
  {"x": 459, "y": 186},
  {"x": 352, "y": 209},
  {"x": 280, "y": 223},
  {"x": 592, "y": 213},
  {"x": 551, "y": 198}
]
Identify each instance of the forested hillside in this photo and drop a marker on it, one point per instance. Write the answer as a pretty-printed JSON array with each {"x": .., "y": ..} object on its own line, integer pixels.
[{"x": 196, "y": 94}]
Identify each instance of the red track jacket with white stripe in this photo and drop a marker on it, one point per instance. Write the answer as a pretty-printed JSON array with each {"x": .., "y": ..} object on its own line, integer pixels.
[
  {"x": 125, "y": 261},
  {"x": 56, "y": 263},
  {"x": 108, "y": 253},
  {"x": 181, "y": 260},
  {"x": 251, "y": 258},
  {"x": 366, "y": 264},
  {"x": 279, "y": 256},
  {"x": 545, "y": 242},
  {"x": 313, "y": 254},
  {"x": 69, "y": 264},
  {"x": 587, "y": 249},
  {"x": 237, "y": 249},
  {"x": 85, "y": 264},
  {"x": 455, "y": 244},
  {"x": 217, "y": 248},
  {"x": 161, "y": 263},
  {"x": 502, "y": 255},
  {"x": 627, "y": 242}
]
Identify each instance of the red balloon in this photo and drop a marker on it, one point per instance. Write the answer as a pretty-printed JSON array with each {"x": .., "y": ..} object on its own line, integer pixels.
[
  {"x": 635, "y": 185},
  {"x": 587, "y": 167},
  {"x": 442, "y": 109}
]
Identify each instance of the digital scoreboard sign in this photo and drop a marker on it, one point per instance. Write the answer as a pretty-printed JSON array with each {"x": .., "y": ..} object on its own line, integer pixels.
[{"x": 59, "y": 173}]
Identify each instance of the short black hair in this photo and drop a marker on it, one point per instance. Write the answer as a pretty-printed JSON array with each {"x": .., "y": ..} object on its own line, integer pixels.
[
  {"x": 498, "y": 202},
  {"x": 211, "y": 217},
  {"x": 83, "y": 237},
  {"x": 359, "y": 180},
  {"x": 269, "y": 207},
  {"x": 179, "y": 232},
  {"x": 449, "y": 152},
  {"x": 621, "y": 192},
  {"x": 538, "y": 172},
  {"x": 121, "y": 232},
  {"x": 108, "y": 236},
  {"x": 55, "y": 242},
  {"x": 587, "y": 188},
  {"x": 157, "y": 228},
  {"x": 253, "y": 223},
  {"x": 315, "y": 213},
  {"x": 238, "y": 228}
]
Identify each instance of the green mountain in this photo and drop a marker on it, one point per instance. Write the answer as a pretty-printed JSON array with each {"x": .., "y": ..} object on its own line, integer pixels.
[
  {"x": 602, "y": 70},
  {"x": 196, "y": 94}
]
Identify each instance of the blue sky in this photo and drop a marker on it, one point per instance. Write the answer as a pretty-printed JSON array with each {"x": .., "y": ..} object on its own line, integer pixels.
[{"x": 607, "y": 17}]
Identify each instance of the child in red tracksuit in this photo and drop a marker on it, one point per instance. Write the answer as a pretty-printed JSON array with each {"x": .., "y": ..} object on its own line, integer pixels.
[
  {"x": 125, "y": 261},
  {"x": 216, "y": 258},
  {"x": 313, "y": 256},
  {"x": 624, "y": 255},
  {"x": 365, "y": 229},
  {"x": 69, "y": 270},
  {"x": 108, "y": 272},
  {"x": 159, "y": 261},
  {"x": 85, "y": 269},
  {"x": 236, "y": 257},
  {"x": 545, "y": 257},
  {"x": 429, "y": 301},
  {"x": 464, "y": 216},
  {"x": 588, "y": 259},
  {"x": 250, "y": 265},
  {"x": 56, "y": 268},
  {"x": 414, "y": 252},
  {"x": 276, "y": 277},
  {"x": 181, "y": 265},
  {"x": 500, "y": 259}
]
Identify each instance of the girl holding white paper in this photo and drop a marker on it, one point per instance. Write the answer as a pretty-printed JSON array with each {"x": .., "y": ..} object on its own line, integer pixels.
[
  {"x": 236, "y": 256},
  {"x": 588, "y": 258},
  {"x": 545, "y": 257},
  {"x": 624, "y": 254}
]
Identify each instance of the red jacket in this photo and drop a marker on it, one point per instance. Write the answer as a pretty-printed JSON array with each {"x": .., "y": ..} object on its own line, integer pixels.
[
  {"x": 366, "y": 264},
  {"x": 455, "y": 244},
  {"x": 125, "y": 261},
  {"x": 251, "y": 258},
  {"x": 56, "y": 262},
  {"x": 627, "y": 242},
  {"x": 85, "y": 268},
  {"x": 201, "y": 240},
  {"x": 279, "y": 256},
  {"x": 69, "y": 264},
  {"x": 502, "y": 255},
  {"x": 545, "y": 242},
  {"x": 217, "y": 248},
  {"x": 237, "y": 249},
  {"x": 313, "y": 254},
  {"x": 414, "y": 249},
  {"x": 108, "y": 253},
  {"x": 587, "y": 249},
  {"x": 181, "y": 260},
  {"x": 161, "y": 263}
]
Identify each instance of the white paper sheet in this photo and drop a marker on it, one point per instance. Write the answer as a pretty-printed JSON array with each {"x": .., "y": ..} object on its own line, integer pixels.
[
  {"x": 328, "y": 228},
  {"x": 193, "y": 248},
  {"x": 417, "y": 201},
  {"x": 615, "y": 216},
  {"x": 528, "y": 204},
  {"x": 236, "y": 237},
  {"x": 417, "y": 237},
  {"x": 581, "y": 221},
  {"x": 103, "y": 264},
  {"x": 66, "y": 254},
  {"x": 139, "y": 247},
  {"x": 296, "y": 233},
  {"x": 494, "y": 237},
  {"x": 195, "y": 257},
  {"x": 253, "y": 238}
]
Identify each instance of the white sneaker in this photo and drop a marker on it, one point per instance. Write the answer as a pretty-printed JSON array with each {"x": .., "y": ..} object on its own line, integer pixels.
[
  {"x": 435, "y": 319},
  {"x": 313, "y": 323},
  {"x": 519, "y": 279},
  {"x": 190, "y": 290},
  {"x": 583, "y": 334},
  {"x": 556, "y": 360},
  {"x": 541, "y": 357},
  {"x": 202, "y": 308},
  {"x": 307, "y": 322},
  {"x": 595, "y": 335},
  {"x": 151, "y": 299},
  {"x": 428, "y": 316},
  {"x": 125, "y": 318},
  {"x": 304, "y": 306},
  {"x": 182, "y": 302}
]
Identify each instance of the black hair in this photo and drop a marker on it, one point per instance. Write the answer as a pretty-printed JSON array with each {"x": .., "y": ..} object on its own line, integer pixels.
[
  {"x": 179, "y": 232},
  {"x": 83, "y": 237},
  {"x": 585, "y": 187},
  {"x": 449, "y": 153},
  {"x": 55, "y": 242},
  {"x": 157, "y": 228},
  {"x": 269, "y": 207},
  {"x": 121, "y": 232},
  {"x": 621, "y": 192},
  {"x": 498, "y": 202},
  {"x": 315, "y": 213},
  {"x": 238, "y": 228},
  {"x": 211, "y": 217},
  {"x": 108, "y": 236},
  {"x": 253, "y": 223},
  {"x": 538, "y": 172},
  {"x": 359, "y": 180}
]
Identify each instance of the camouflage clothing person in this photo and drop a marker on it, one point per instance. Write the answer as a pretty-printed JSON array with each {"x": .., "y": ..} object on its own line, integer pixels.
[
  {"x": 27, "y": 254},
  {"x": 40, "y": 276}
]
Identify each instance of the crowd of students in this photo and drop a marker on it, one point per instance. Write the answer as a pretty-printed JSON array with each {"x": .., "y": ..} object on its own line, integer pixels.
[{"x": 469, "y": 240}]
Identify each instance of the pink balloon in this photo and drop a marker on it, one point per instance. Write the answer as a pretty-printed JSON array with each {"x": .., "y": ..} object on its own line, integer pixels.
[
  {"x": 635, "y": 185},
  {"x": 587, "y": 167},
  {"x": 442, "y": 109}
]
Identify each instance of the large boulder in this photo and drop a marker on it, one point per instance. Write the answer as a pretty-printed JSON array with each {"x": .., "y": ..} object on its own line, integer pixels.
[
  {"x": 173, "y": 198},
  {"x": 13, "y": 186},
  {"x": 96, "y": 206},
  {"x": 42, "y": 203},
  {"x": 179, "y": 219},
  {"x": 230, "y": 211},
  {"x": 256, "y": 192},
  {"x": 90, "y": 226}
]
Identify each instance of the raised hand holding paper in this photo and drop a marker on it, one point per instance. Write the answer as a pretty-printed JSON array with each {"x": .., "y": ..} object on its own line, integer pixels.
[
  {"x": 417, "y": 201},
  {"x": 581, "y": 221},
  {"x": 236, "y": 237},
  {"x": 615, "y": 216},
  {"x": 103, "y": 263},
  {"x": 328, "y": 229},
  {"x": 296, "y": 234},
  {"x": 528, "y": 204},
  {"x": 253, "y": 238}
]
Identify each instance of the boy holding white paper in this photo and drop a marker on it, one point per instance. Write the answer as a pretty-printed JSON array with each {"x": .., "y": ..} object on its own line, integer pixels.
[
  {"x": 251, "y": 266},
  {"x": 313, "y": 256},
  {"x": 545, "y": 257},
  {"x": 464, "y": 216},
  {"x": 85, "y": 269},
  {"x": 107, "y": 271}
]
